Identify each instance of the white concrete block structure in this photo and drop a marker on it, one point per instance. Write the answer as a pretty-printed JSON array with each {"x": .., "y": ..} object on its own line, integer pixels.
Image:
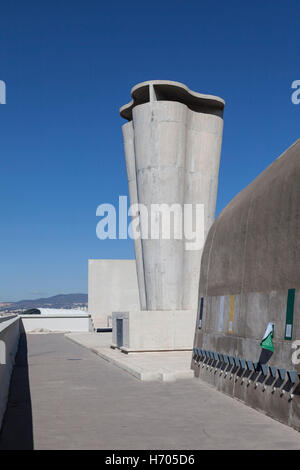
[
  {"x": 155, "y": 330},
  {"x": 172, "y": 144},
  {"x": 52, "y": 319},
  {"x": 112, "y": 287}
]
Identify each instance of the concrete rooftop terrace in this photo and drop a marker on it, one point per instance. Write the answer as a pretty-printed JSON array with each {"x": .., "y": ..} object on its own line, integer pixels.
[{"x": 64, "y": 396}]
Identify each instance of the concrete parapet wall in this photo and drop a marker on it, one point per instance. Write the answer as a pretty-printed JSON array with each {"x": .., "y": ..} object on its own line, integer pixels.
[
  {"x": 154, "y": 330},
  {"x": 56, "y": 323},
  {"x": 9, "y": 340}
]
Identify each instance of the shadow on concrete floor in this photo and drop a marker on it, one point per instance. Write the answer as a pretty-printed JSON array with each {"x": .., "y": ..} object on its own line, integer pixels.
[{"x": 17, "y": 432}]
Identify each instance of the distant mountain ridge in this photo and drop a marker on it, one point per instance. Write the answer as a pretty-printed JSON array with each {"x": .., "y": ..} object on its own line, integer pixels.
[{"x": 56, "y": 301}]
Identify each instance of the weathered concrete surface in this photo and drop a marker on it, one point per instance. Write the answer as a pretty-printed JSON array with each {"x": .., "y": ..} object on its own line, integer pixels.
[
  {"x": 112, "y": 286},
  {"x": 163, "y": 366},
  {"x": 254, "y": 245},
  {"x": 250, "y": 270},
  {"x": 172, "y": 145},
  {"x": 79, "y": 401}
]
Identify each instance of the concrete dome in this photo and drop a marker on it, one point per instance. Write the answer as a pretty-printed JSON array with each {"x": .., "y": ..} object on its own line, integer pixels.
[
  {"x": 250, "y": 278},
  {"x": 254, "y": 245}
]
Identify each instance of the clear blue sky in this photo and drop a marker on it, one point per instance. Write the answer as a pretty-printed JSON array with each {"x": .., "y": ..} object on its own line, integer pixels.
[{"x": 70, "y": 64}]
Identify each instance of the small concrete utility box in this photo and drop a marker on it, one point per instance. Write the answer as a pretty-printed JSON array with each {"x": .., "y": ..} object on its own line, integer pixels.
[{"x": 155, "y": 330}]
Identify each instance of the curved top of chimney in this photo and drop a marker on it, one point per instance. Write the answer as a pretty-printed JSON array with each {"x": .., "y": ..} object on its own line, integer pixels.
[{"x": 166, "y": 90}]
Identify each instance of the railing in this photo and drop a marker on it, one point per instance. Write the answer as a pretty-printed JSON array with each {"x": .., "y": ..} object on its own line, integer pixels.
[{"x": 248, "y": 372}]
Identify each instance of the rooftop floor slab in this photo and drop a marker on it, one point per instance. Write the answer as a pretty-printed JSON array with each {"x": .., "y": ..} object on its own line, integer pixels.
[
  {"x": 166, "y": 366},
  {"x": 63, "y": 396}
]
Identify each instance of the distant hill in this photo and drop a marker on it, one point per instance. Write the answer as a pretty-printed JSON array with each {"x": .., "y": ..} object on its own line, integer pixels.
[{"x": 56, "y": 301}]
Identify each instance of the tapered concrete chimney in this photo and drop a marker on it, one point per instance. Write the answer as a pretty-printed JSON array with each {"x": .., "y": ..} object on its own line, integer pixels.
[{"x": 172, "y": 144}]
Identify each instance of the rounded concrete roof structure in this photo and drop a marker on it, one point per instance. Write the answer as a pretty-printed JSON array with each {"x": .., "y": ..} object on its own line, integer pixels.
[
  {"x": 166, "y": 90},
  {"x": 254, "y": 244}
]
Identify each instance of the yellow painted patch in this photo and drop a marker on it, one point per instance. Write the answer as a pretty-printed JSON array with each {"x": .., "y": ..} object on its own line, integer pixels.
[{"x": 231, "y": 314}]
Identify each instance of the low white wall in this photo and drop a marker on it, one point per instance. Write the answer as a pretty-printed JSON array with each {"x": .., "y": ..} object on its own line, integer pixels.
[
  {"x": 113, "y": 287},
  {"x": 9, "y": 340},
  {"x": 155, "y": 330},
  {"x": 57, "y": 323}
]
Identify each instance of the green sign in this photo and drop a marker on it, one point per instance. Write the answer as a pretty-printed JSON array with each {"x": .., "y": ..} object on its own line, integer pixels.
[{"x": 290, "y": 314}]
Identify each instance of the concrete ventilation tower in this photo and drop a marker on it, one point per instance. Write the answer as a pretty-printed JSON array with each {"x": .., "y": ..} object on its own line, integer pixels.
[{"x": 172, "y": 144}]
